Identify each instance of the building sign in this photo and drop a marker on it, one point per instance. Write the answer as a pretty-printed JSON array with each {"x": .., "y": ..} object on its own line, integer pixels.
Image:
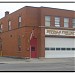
[{"x": 59, "y": 32}]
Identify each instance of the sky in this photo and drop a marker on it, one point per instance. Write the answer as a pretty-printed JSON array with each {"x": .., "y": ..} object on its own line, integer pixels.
[{"x": 11, "y": 7}]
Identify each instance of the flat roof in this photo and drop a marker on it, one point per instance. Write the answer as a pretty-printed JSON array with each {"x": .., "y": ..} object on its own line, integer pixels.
[
  {"x": 50, "y": 8},
  {"x": 40, "y": 7}
]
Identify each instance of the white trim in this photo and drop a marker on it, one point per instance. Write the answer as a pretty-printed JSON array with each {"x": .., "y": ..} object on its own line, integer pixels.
[{"x": 59, "y": 32}]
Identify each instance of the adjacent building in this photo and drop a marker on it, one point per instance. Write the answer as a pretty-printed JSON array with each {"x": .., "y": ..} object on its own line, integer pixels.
[{"x": 36, "y": 32}]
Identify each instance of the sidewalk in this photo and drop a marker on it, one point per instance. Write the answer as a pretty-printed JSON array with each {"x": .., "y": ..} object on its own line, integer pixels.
[{"x": 19, "y": 61}]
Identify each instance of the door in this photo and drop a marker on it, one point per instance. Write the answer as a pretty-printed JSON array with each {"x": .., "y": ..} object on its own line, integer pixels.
[
  {"x": 33, "y": 47},
  {"x": 59, "y": 47}
]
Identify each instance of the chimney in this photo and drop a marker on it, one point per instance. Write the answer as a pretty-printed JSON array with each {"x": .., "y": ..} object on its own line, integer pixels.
[{"x": 6, "y": 13}]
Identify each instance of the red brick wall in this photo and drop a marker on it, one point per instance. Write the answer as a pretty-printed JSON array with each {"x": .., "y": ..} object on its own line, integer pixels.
[{"x": 32, "y": 17}]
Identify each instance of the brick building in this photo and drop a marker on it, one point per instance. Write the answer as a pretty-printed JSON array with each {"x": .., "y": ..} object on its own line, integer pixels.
[{"x": 34, "y": 32}]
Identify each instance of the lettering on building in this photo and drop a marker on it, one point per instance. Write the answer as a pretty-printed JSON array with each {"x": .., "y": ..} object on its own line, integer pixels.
[{"x": 59, "y": 32}]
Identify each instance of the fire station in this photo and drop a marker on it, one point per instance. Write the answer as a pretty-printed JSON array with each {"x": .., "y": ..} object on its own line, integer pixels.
[{"x": 38, "y": 32}]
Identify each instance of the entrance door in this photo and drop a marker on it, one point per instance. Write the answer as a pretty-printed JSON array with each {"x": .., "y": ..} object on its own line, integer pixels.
[{"x": 33, "y": 44}]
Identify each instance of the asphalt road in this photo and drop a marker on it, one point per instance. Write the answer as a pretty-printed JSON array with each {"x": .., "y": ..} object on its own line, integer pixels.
[
  {"x": 54, "y": 64},
  {"x": 38, "y": 67}
]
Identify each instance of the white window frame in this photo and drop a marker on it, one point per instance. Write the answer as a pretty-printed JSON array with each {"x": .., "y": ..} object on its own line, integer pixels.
[
  {"x": 19, "y": 21},
  {"x": 20, "y": 18},
  {"x": 9, "y": 25},
  {"x": 66, "y": 22},
  {"x": 57, "y": 21},
  {"x": 73, "y": 23},
  {"x": 47, "y": 21}
]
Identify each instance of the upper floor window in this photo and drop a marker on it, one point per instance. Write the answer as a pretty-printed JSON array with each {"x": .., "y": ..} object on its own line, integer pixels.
[
  {"x": 19, "y": 21},
  {"x": 9, "y": 25},
  {"x": 47, "y": 20},
  {"x": 1, "y": 27},
  {"x": 57, "y": 21},
  {"x": 66, "y": 22},
  {"x": 73, "y": 23}
]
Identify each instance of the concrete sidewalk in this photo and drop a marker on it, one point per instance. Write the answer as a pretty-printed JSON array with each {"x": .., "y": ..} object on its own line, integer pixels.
[{"x": 42, "y": 60}]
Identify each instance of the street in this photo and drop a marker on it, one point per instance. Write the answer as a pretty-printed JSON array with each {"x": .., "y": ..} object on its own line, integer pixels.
[{"x": 39, "y": 65}]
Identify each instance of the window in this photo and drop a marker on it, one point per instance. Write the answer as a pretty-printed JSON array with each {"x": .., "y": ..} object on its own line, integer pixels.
[
  {"x": 9, "y": 25},
  {"x": 52, "y": 48},
  {"x": 73, "y": 48},
  {"x": 57, "y": 21},
  {"x": 57, "y": 48},
  {"x": 1, "y": 27},
  {"x": 46, "y": 48},
  {"x": 62, "y": 48},
  {"x": 68, "y": 48},
  {"x": 73, "y": 23},
  {"x": 32, "y": 48},
  {"x": 47, "y": 20},
  {"x": 66, "y": 22},
  {"x": 19, "y": 22},
  {"x": 19, "y": 43}
]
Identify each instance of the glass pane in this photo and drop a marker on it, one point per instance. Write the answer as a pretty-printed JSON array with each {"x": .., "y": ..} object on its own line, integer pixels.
[
  {"x": 47, "y": 23},
  {"x": 52, "y": 48},
  {"x": 57, "y": 23},
  {"x": 46, "y": 48},
  {"x": 47, "y": 18},
  {"x": 65, "y": 24},
  {"x": 9, "y": 22},
  {"x": 57, "y": 48},
  {"x": 62, "y": 48},
  {"x": 57, "y": 19},
  {"x": 32, "y": 48},
  {"x": 66, "y": 19},
  {"x": 9, "y": 27},
  {"x": 73, "y": 20},
  {"x": 20, "y": 19},
  {"x": 73, "y": 48},
  {"x": 68, "y": 48},
  {"x": 73, "y": 26}
]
